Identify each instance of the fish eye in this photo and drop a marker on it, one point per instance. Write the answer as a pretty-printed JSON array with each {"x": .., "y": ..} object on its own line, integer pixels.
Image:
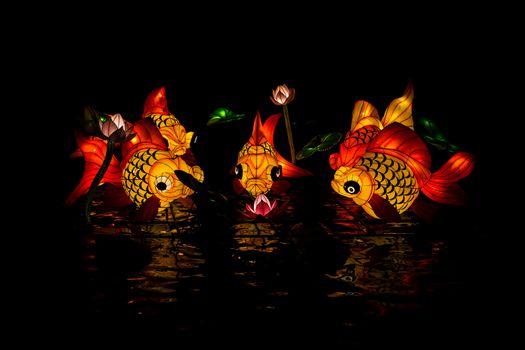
[
  {"x": 352, "y": 187},
  {"x": 276, "y": 173},
  {"x": 238, "y": 171},
  {"x": 163, "y": 183}
]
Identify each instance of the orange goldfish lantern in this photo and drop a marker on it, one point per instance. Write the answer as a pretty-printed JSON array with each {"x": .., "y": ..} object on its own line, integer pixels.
[
  {"x": 156, "y": 109},
  {"x": 383, "y": 165},
  {"x": 260, "y": 168},
  {"x": 145, "y": 176}
]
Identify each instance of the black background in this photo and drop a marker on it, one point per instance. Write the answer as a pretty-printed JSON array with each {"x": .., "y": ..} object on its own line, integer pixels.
[{"x": 329, "y": 57}]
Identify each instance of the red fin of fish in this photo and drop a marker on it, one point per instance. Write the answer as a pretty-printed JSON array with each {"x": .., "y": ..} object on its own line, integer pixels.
[
  {"x": 258, "y": 137},
  {"x": 76, "y": 154},
  {"x": 424, "y": 209},
  {"x": 442, "y": 186},
  {"x": 237, "y": 187},
  {"x": 147, "y": 135},
  {"x": 189, "y": 158},
  {"x": 403, "y": 143},
  {"x": 94, "y": 152},
  {"x": 116, "y": 197},
  {"x": 156, "y": 103},
  {"x": 383, "y": 209},
  {"x": 268, "y": 130},
  {"x": 149, "y": 209},
  {"x": 281, "y": 186}
]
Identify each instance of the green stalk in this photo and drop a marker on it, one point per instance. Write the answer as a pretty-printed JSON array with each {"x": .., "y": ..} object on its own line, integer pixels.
[
  {"x": 289, "y": 133},
  {"x": 96, "y": 180}
]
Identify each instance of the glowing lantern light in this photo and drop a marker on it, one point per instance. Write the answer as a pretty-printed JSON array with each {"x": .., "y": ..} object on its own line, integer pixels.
[
  {"x": 146, "y": 174},
  {"x": 260, "y": 167},
  {"x": 383, "y": 165},
  {"x": 156, "y": 109}
]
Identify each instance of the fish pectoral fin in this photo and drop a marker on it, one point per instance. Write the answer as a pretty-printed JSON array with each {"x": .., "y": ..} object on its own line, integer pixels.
[
  {"x": 149, "y": 209},
  {"x": 425, "y": 210},
  {"x": 237, "y": 187},
  {"x": 280, "y": 186},
  {"x": 383, "y": 209},
  {"x": 116, "y": 197},
  {"x": 189, "y": 157}
]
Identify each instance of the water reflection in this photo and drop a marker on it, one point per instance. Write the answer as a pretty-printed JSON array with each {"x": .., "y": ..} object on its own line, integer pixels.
[{"x": 277, "y": 274}]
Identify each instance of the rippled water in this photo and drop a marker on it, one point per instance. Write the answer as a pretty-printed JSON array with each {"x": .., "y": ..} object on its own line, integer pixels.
[{"x": 329, "y": 275}]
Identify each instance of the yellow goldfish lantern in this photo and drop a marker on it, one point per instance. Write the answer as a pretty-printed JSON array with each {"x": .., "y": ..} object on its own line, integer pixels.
[
  {"x": 383, "y": 165},
  {"x": 146, "y": 174},
  {"x": 260, "y": 168}
]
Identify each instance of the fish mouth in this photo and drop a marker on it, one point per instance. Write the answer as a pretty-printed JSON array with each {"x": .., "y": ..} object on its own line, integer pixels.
[
  {"x": 256, "y": 187},
  {"x": 261, "y": 205}
]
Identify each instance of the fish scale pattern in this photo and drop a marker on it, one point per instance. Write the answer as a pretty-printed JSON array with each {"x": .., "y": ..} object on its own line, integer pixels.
[{"x": 395, "y": 180}]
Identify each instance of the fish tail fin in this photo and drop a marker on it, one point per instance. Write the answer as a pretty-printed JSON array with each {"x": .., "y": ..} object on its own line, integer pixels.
[
  {"x": 94, "y": 151},
  {"x": 442, "y": 186}
]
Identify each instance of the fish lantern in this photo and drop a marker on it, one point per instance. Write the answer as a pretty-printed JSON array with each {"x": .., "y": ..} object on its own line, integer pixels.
[
  {"x": 146, "y": 175},
  {"x": 261, "y": 169},
  {"x": 156, "y": 109},
  {"x": 383, "y": 165}
]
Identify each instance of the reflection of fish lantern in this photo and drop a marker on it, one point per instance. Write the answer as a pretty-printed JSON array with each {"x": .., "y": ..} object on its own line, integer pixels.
[
  {"x": 146, "y": 173},
  {"x": 383, "y": 165},
  {"x": 259, "y": 167},
  {"x": 156, "y": 109}
]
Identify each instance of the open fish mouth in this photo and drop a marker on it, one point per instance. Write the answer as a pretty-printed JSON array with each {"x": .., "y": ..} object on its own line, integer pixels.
[{"x": 261, "y": 205}]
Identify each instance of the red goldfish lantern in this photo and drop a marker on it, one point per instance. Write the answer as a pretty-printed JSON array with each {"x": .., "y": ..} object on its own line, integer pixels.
[{"x": 383, "y": 165}]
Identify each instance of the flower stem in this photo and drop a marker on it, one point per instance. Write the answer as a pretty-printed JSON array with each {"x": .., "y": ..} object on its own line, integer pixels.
[
  {"x": 96, "y": 180},
  {"x": 289, "y": 133}
]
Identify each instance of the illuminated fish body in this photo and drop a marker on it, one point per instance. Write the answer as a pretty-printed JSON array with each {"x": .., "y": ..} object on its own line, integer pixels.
[
  {"x": 145, "y": 176},
  {"x": 222, "y": 116},
  {"x": 383, "y": 165},
  {"x": 260, "y": 167},
  {"x": 319, "y": 143},
  {"x": 156, "y": 108},
  {"x": 151, "y": 173}
]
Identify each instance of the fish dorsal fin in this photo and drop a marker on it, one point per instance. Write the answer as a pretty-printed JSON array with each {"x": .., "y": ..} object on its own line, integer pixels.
[
  {"x": 269, "y": 127},
  {"x": 289, "y": 169},
  {"x": 403, "y": 143},
  {"x": 400, "y": 109},
  {"x": 147, "y": 135},
  {"x": 364, "y": 114},
  {"x": 258, "y": 136},
  {"x": 156, "y": 103}
]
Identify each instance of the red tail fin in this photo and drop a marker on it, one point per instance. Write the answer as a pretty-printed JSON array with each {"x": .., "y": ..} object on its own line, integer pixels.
[
  {"x": 442, "y": 186},
  {"x": 94, "y": 151}
]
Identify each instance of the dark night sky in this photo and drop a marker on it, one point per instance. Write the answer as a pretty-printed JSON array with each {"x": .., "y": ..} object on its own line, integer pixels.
[
  {"x": 329, "y": 74},
  {"x": 229, "y": 64},
  {"x": 235, "y": 62}
]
